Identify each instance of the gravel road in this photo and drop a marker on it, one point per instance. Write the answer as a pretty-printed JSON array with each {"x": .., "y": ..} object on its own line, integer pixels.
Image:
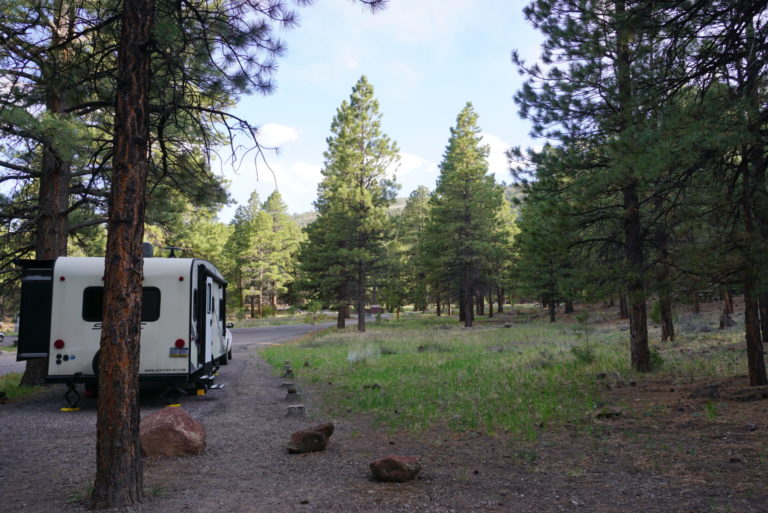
[{"x": 47, "y": 457}]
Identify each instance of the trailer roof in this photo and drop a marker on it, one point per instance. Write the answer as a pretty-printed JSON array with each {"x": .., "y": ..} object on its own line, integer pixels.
[{"x": 90, "y": 266}]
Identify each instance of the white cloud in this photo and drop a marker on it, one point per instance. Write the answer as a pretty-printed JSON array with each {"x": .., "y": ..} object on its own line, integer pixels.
[
  {"x": 497, "y": 158},
  {"x": 415, "y": 171},
  {"x": 273, "y": 135},
  {"x": 410, "y": 163}
]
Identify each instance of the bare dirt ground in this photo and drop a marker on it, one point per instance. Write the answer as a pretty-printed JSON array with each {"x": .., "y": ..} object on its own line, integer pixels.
[{"x": 665, "y": 452}]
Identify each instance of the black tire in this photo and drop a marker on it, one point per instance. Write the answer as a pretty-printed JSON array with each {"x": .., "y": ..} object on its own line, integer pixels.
[
  {"x": 95, "y": 363},
  {"x": 2, "y": 337},
  {"x": 229, "y": 354}
]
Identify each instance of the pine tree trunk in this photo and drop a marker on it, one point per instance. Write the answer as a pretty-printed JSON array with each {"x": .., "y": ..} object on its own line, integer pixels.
[
  {"x": 341, "y": 316},
  {"x": 696, "y": 304},
  {"x": 568, "y": 307},
  {"x": 633, "y": 233},
  {"x": 438, "y": 306},
  {"x": 754, "y": 207},
  {"x": 119, "y": 477},
  {"x": 667, "y": 324},
  {"x": 623, "y": 308},
  {"x": 727, "y": 302},
  {"x": 552, "y": 308},
  {"x": 480, "y": 304},
  {"x": 361, "y": 314},
  {"x": 467, "y": 286},
  {"x": 764, "y": 317},
  {"x": 449, "y": 307},
  {"x": 500, "y": 299},
  {"x": 755, "y": 356},
  {"x": 53, "y": 197},
  {"x": 490, "y": 304}
]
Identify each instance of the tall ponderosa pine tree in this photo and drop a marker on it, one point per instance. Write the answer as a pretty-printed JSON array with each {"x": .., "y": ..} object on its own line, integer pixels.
[
  {"x": 345, "y": 243},
  {"x": 590, "y": 94},
  {"x": 465, "y": 212}
]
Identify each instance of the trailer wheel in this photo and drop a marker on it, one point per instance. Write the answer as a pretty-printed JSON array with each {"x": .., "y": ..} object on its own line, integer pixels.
[
  {"x": 95, "y": 363},
  {"x": 229, "y": 354}
]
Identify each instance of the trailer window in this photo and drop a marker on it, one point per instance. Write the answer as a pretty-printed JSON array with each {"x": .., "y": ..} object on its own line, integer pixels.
[{"x": 93, "y": 304}]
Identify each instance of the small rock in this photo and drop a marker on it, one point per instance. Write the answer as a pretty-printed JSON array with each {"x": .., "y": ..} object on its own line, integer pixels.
[
  {"x": 171, "y": 433},
  {"x": 607, "y": 412},
  {"x": 706, "y": 392},
  {"x": 295, "y": 410},
  {"x": 735, "y": 460},
  {"x": 507, "y": 324},
  {"x": 310, "y": 440},
  {"x": 394, "y": 468},
  {"x": 751, "y": 427}
]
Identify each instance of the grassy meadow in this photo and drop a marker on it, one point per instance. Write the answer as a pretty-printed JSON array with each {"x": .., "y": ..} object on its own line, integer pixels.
[{"x": 416, "y": 373}]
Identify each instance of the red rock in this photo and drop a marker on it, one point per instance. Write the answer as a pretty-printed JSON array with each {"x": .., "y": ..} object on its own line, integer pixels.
[
  {"x": 310, "y": 440},
  {"x": 396, "y": 468},
  {"x": 171, "y": 433}
]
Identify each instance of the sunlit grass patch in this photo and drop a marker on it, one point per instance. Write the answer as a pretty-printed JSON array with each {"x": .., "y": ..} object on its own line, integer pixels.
[
  {"x": 418, "y": 373},
  {"x": 9, "y": 385}
]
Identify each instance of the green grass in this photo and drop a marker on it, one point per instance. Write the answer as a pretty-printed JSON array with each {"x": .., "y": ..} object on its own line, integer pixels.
[
  {"x": 9, "y": 383},
  {"x": 416, "y": 373},
  {"x": 424, "y": 371}
]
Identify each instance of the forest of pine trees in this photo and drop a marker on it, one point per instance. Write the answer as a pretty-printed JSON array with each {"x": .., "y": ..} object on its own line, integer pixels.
[{"x": 650, "y": 188}]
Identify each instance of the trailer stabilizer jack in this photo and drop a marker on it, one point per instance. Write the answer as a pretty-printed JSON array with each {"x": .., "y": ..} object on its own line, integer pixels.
[{"x": 72, "y": 396}]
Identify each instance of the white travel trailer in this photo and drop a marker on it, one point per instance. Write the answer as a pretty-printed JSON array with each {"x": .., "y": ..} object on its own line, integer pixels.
[{"x": 184, "y": 333}]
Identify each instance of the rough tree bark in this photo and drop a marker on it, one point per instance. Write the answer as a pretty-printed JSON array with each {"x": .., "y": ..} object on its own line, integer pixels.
[
  {"x": 623, "y": 308},
  {"x": 119, "y": 476},
  {"x": 52, "y": 226},
  {"x": 633, "y": 233},
  {"x": 764, "y": 316},
  {"x": 361, "y": 273},
  {"x": 341, "y": 316},
  {"x": 727, "y": 302},
  {"x": 467, "y": 297},
  {"x": 490, "y": 303},
  {"x": 667, "y": 323}
]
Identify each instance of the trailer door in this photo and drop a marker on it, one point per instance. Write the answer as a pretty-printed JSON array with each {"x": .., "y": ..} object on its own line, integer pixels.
[
  {"x": 209, "y": 318},
  {"x": 35, "y": 309}
]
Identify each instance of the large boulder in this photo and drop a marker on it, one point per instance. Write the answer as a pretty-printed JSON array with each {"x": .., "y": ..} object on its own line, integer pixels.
[
  {"x": 398, "y": 469},
  {"x": 171, "y": 433},
  {"x": 310, "y": 440}
]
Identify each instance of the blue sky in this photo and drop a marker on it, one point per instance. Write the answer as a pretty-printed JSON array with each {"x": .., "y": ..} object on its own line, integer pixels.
[{"x": 425, "y": 59}]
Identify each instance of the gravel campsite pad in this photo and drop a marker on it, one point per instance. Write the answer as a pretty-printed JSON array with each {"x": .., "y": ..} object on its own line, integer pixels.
[{"x": 659, "y": 452}]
